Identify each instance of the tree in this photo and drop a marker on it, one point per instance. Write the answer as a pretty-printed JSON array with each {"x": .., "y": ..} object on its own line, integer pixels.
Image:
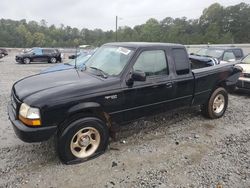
[
  {"x": 217, "y": 24},
  {"x": 151, "y": 31},
  {"x": 39, "y": 39}
]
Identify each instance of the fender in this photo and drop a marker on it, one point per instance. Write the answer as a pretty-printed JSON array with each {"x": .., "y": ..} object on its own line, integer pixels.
[
  {"x": 230, "y": 81},
  {"x": 91, "y": 107},
  {"x": 84, "y": 106},
  {"x": 233, "y": 78}
]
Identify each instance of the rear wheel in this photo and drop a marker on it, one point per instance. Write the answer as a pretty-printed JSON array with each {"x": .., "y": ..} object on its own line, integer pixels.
[
  {"x": 52, "y": 60},
  {"x": 26, "y": 60},
  {"x": 82, "y": 139},
  {"x": 216, "y": 105}
]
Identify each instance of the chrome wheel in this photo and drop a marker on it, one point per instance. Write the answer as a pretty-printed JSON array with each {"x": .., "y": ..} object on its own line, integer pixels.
[
  {"x": 26, "y": 60},
  {"x": 219, "y": 103},
  {"x": 53, "y": 60},
  {"x": 85, "y": 142}
]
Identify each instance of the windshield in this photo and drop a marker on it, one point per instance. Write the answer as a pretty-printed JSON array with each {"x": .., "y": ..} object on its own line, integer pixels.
[
  {"x": 79, "y": 61},
  {"x": 28, "y": 51},
  {"x": 109, "y": 59},
  {"x": 246, "y": 59},
  {"x": 210, "y": 52}
]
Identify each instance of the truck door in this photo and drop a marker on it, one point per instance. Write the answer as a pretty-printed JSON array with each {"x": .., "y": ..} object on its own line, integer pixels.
[
  {"x": 148, "y": 97},
  {"x": 183, "y": 78}
]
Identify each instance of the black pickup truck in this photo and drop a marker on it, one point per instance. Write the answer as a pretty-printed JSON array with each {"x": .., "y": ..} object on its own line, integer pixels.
[{"x": 120, "y": 83}]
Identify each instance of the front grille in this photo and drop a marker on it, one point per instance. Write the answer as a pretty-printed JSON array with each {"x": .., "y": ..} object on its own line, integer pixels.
[
  {"x": 18, "y": 58},
  {"x": 247, "y": 85},
  {"x": 247, "y": 75},
  {"x": 15, "y": 103}
]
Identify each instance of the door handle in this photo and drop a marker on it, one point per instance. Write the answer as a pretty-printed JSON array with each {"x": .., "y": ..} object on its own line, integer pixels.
[{"x": 169, "y": 85}]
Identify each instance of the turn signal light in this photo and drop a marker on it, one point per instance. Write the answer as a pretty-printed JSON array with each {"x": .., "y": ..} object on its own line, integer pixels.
[{"x": 30, "y": 122}]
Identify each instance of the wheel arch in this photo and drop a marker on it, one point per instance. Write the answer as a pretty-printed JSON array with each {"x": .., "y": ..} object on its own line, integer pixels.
[
  {"x": 224, "y": 84},
  {"x": 89, "y": 109}
]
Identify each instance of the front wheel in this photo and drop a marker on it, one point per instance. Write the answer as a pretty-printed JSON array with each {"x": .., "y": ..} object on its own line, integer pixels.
[
  {"x": 26, "y": 60},
  {"x": 216, "y": 105},
  {"x": 82, "y": 140}
]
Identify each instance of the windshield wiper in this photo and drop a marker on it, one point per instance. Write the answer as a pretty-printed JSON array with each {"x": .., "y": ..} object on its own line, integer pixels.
[
  {"x": 207, "y": 56},
  {"x": 195, "y": 54},
  {"x": 101, "y": 71},
  {"x": 67, "y": 64}
]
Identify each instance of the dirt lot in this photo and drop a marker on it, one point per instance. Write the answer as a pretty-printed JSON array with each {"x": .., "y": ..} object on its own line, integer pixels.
[{"x": 176, "y": 149}]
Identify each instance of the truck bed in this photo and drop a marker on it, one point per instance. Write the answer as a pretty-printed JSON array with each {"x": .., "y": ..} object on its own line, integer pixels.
[{"x": 206, "y": 79}]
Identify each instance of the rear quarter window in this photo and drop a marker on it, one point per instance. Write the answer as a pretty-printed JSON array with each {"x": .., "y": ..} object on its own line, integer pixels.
[
  {"x": 228, "y": 56},
  {"x": 48, "y": 51},
  {"x": 181, "y": 60},
  {"x": 238, "y": 53}
]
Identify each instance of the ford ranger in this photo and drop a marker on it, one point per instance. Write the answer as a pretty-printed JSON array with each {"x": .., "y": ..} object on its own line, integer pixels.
[{"x": 120, "y": 83}]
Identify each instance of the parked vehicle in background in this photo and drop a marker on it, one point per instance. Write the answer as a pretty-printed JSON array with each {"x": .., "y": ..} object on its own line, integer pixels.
[
  {"x": 3, "y": 52},
  {"x": 49, "y": 55},
  {"x": 121, "y": 82},
  {"x": 77, "y": 54},
  {"x": 82, "y": 52},
  {"x": 223, "y": 54},
  {"x": 77, "y": 63},
  {"x": 198, "y": 62},
  {"x": 244, "y": 79}
]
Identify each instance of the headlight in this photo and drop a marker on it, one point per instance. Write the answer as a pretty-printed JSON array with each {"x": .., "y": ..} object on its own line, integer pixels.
[{"x": 29, "y": 116}]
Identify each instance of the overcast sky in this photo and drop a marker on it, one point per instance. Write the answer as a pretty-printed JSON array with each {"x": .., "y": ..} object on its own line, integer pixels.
[{"x": 101, "y": 13}]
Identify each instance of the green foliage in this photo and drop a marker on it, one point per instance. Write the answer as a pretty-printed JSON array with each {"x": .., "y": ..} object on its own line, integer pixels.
[{"x": 217, "y": 24}]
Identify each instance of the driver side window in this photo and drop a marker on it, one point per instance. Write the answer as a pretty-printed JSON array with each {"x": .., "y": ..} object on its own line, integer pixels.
[
  {"x": 37, "y": 52},
  {"x": 228, "y": 56},
  {"x": 152, "y": 63}
]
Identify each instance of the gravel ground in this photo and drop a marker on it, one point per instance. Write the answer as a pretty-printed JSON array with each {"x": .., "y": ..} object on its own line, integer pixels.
[{"x": 175, "y": 149}]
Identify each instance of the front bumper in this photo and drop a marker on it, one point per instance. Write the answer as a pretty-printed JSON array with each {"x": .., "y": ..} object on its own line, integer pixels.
[
  {"x": 243, "y": 83},
  {"x": 29, "y": 134},
  {"x": 19, "y": 59}
]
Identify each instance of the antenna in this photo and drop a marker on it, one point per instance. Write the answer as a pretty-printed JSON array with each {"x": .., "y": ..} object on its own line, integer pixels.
[{"x": 75, "y": 57}]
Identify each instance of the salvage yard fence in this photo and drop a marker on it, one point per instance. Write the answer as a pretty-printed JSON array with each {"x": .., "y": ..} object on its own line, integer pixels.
[
  {"x": 190, "y": 48},
  {"x": 195, "y": 48}
]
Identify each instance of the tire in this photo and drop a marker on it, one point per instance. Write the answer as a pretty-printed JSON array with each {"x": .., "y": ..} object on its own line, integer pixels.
[
  {"x": 82, "y": 140},
  {"x": 52, "y": 60},
  {"x": 216, "y": 105},
  {"x": 26, "y": 60}
]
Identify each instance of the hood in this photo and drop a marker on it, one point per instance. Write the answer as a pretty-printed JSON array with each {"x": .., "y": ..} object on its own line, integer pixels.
[
  {"x": 58, "y": 68},
  {"x": 23, "y": 54},
  {"x": 54, "y": 85},
  {"x": 245, "y": 67}
]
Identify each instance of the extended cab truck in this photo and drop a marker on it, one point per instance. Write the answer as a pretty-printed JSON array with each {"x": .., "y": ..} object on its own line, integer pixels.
[
  {"x": 222, "y": 54},
  {"x": 120, "y": 83}
]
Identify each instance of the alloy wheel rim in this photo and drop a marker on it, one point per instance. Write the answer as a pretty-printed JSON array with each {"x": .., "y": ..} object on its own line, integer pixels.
[
  {"x": 85, "y": 142},
  {"x": 219, "y": 103},
  {"x": 27, "y": 60},
  {"x": 53, "y": 60}
]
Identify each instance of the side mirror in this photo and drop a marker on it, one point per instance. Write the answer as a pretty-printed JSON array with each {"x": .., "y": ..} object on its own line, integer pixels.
[{"x": 136, "y": 75}]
